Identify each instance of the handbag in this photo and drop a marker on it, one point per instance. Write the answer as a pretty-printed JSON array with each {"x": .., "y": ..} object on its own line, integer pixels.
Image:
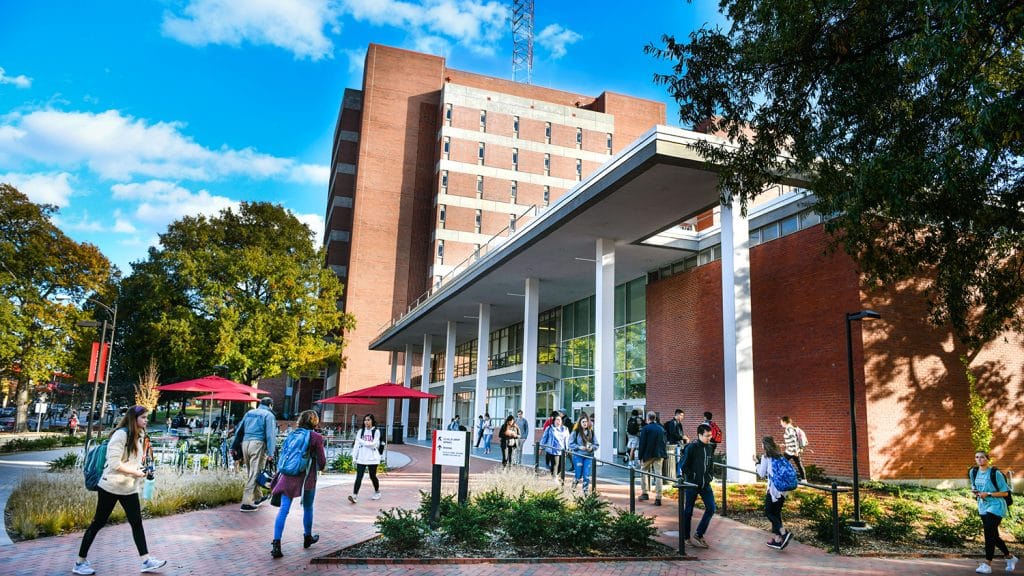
[
  {"x": 511, "y": 442},
  {"x": 266, "y": 476}
]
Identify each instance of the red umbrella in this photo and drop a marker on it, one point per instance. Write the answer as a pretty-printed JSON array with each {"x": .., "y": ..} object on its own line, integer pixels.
[
  {"x": 388, "y": 390},
  {"x": 210, "y": 383},
  {"x": 228, "y": 397},
  {"x": 346, "y": 400}
]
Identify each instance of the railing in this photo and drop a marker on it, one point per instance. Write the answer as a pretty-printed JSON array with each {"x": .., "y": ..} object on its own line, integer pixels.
[
  {"x": 678, "y": 483},
  {"x": 834, "y": 490}
]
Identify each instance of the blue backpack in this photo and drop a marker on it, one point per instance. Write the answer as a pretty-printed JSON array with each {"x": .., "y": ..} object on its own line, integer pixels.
[
  {"x": 294, "y": 459},
  {"x": 783, "y": 475},
  {"x": 95, "y": 461}
]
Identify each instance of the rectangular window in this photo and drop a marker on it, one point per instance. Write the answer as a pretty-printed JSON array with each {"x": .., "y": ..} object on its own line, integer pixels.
[
  {"x": 480, "y": 153},
  {"x": 547, "y": 132},
  {"x": 514, "y": 192},
  {"x": 511, "y": 222},
  {"x": 809, "y": 218},
  {"x": 476, "y": 221},
  {"x": 579, "y": 137},
  {"x": 515, "y": 126},
  {"x": 790, "y": 225},
  {"x": 483, "y": 120},
  {"x": 547, "y": 195},
  {"x": 609, "y": 145},
  {"x": 442, "y": 212},
  {"x": 547, "y": 164},
  {"x": 440, "y": 251},
  {"x": 444, "y": 180},
  {"x": 770, "y": 232},
  {"x": 447, "y": 147},
  {"x": 579, "y": 169},
  {"x": 479, "y": 186},
  {"x": 448, "y": 114},
  {"x": 515, "y": 158}
]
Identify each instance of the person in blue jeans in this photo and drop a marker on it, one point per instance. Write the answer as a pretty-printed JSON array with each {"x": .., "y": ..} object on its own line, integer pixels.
[
  {"x": 697, "y": 459},
  {"x": 293, "y": 487},
  {"x": 582, "y": 443}
]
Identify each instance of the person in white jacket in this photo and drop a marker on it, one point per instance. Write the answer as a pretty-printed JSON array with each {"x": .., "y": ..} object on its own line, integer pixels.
[
  {"x": 773, "y": 498},
  {"x": 366, "y": 456}
]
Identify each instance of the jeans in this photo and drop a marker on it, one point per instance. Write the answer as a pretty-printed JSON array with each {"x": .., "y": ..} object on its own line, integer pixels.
[
  {"x": 584, "y": 468},
  {"x": 773, "y": 512},
  {"x": 105, "y": 502},
  {"x": 706, "y": 496},
  {"x": 307, "y": 513}
]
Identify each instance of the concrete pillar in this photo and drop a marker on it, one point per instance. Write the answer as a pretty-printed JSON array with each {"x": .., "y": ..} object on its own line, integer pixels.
[
  {"x": 531, "y": 310},
  {"x": 407, "y": 381},
  {"x": 738, "y": 352},
  {"x": 448, "y": 409},
  {"x": 604, "y": 347},
  {"x": 483, "y": 351},
  {"x": 390, "y": 416},
  {"x": 421, "y": 433}
]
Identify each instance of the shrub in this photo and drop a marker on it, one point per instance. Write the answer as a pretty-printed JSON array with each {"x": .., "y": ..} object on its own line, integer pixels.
[
  {"x": 586, "y": 522},
  {"x": 870, "y": 509},
  {"x": 342, "y": 463},
  {"x": 536, "y": 519},
  {"x": 897, "y": 523},
  {"x": 815, "y": 474},
  {"x": 493, "y": 504},
  {"x": 954, "y": 534},
  {"x": 444, "y": 508},
  {"x": 403, "y": 529},
  {"x": 466, "y": 525},
  {"x": 66, "y": 462},
  {"x": 632, "y": 531},
  {"x": 812, "y": 505}
]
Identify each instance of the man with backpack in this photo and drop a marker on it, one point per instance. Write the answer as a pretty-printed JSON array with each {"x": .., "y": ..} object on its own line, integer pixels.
[
  {"x": 716, "y": 431},
  {"x": 260, "y": 432},
  {"x": 675, "y": 441},
  {"x": 633, "y": 426},
  {"x": 697, "y": 460},
  {"x": 795, "y": 441}
]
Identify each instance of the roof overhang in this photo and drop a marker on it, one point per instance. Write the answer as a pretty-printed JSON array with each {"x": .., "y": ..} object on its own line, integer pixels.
[{"x": 652, "y": 186}]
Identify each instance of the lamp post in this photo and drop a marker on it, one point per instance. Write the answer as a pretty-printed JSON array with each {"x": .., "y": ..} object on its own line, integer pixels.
[
  {"x": 105, "y": 370},
  {"x": 99, "y": 357},
  {"x": 850, "y": 317}
]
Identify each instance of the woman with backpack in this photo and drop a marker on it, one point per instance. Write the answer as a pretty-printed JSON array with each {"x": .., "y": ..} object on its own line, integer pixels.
[
  {"x": 555, "y": 441},
  {"x": 290, "y": 487},
  {"x": 768, "y": 467},
  {"x": 990, "y": 487},
  {"x": 123, "y": 475},
  {"x": 508, "y": 435},
  {"x": 366, "y": 456},
  {"x": 582, "y": 443}
]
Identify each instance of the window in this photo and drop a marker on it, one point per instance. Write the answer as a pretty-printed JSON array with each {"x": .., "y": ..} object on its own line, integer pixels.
[
  {"x": 809, "y": 218},
  {"x": 514, "y": 192},
  {"x": 579, "y": 169},
  {"x": 790, "y": 225},
  {"x": 442, "y": 212},
  {"x": 476, "y": 221},
  {"x": 547, "y": 195},
  {"x": 483, "y": 120},
  {"x": 515, "y": 126},
  {"x": 444, "y": 180},
  {"x": 547, "y": 132},
  {"x": 609, "y": 144},
  {"x": 440, "y": 251},
  {"x": 447, "y": 147},
  {"x": 479, "y": 186},
  {"x": 480, "y": 153},
  {"x": 448, "y": 114},
  {"x": 579, "y": 137},
  {"x": 511, "y": 222},
  {"x": 547, "y": 164},
  {"x": 515, "y": 159},
  {"x": 770, "y": 232}
]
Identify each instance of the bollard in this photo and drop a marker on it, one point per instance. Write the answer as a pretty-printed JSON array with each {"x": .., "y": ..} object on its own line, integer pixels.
[
  {"x": 681, "y": 501},
  {"x": 632, "y": 490},
  {"x": 593, "y": 474},
  {"x": 835, "y": 518},
  {"x": 725, "y": 496}
]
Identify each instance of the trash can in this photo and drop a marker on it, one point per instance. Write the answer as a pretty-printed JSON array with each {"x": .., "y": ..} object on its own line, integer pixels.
[{"x": 397, "y": 434}]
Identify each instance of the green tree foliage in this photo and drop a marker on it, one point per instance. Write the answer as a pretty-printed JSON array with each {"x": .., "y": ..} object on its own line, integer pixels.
[
  {"x": 246, "y": 289},
  {"x": 38, "y": 264},
  {"x": 908, "y": 117}
]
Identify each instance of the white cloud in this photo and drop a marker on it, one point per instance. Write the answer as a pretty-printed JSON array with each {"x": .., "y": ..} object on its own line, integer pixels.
[
  {"x": 20, "y": 81},
  {"x": 124, "y": 226},
  {"x": 316, "y": 224},
  {"x": 295, "y": 25},
  {"x": 43, "y": 188},
  {"x": 162, "y": 202},
  {"x": 555, "y": 38},
  {"x": 120, "y": 147},
  {"x": 476, "y": 25}
]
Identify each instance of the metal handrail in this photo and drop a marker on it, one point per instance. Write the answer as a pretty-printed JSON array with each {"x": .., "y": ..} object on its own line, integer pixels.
[{"x": 834, "y": 490}]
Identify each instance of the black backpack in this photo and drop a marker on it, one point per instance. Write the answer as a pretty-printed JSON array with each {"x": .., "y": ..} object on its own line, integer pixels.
[
  {"x": 1009, "y": 492},
  {"x": 633, "y": 426}
]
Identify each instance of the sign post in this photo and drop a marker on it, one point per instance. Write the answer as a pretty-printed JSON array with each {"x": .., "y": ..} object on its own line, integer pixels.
[{"x": 450, "y": 448}]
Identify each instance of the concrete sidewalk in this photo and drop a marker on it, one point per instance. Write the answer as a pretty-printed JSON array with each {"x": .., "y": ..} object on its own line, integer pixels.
[{"x": 224, "y": 541}]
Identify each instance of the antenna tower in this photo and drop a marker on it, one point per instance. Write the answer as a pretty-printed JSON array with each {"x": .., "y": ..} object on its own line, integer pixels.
[{"x": 522, "y": 40}]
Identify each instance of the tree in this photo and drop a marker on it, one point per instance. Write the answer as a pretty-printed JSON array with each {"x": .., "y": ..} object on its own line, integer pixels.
[
  {"x": 246, "y": 289},
  {"x": 38, "y": 264},
  {"x": 146, "y": 393},
  {"x": 909, "y": 119}
]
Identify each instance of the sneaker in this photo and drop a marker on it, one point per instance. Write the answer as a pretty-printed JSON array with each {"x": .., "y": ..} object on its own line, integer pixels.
[
  {"x": 353, "y": 498},
  {"x": 983, "y": 569},
  {"x": 698, "y": 542},
  {"x": 152, "y": 564},
  {"x": 657, "y": 501},
  {"x": 83, "y": 567},
  {"x": 261, "y": 500},
  {"x": 249, "y": 508},
  {"x": 786, "y": 539},
  {"x": 774, "y": 545},
  {"x": 376, "y": 496},
  {"x": 644, "y": 497},
  {"x": 1011, "y": 563}
]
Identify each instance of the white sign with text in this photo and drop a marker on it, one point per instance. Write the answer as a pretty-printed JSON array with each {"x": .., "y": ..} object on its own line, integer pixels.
[{"x": 450, "y": 448}]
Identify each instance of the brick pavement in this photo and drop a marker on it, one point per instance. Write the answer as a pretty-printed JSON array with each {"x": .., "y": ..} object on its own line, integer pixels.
[{"x": 224, "y": 541}]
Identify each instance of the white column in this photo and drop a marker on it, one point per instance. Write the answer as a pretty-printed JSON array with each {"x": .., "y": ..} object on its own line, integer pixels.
[
  {"x": 421, "y": 433},
  {"x": 448, "y": 410},
  {"x": 531, "y": 309},
  {"x": 390, "y": 417},
  {"x": 737, "y": 340},
  {"x": 604, "y": 346},
  {"x": 483, "y": 351},
  {"x": 407, "y": 382}
]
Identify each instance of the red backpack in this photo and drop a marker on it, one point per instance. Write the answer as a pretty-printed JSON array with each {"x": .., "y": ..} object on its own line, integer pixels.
[{"x": 716, "y": 433}]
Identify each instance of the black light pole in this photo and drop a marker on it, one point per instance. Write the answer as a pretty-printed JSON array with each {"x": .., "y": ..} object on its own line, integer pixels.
[
  {"x": 850, "y": 317},
  {"x": 99, "y": 357}
]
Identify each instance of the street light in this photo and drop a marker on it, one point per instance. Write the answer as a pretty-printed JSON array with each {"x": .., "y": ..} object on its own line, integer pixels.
[
  {"x": 110, "y": 346},
  {"x": 850, "y": 317},
  {"x": 99, "y": 356}
]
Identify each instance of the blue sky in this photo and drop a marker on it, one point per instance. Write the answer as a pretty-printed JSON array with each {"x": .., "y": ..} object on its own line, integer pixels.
[{"x": 131, "y": 114}]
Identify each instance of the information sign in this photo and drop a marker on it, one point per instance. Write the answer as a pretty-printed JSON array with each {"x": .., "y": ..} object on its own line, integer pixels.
[{"x": 450, "y": 448}]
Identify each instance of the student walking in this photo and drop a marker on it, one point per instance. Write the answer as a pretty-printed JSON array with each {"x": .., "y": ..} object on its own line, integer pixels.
[
  {"x": 582, "y": 443},
  {"x": 698, "y": 457},
  {"x": 488, "y": 433},
  {"x": 773, "y": 497},
  {"x": 652, "y": 453},
  {"x": 795, "y": 441},
  {"x": 555, "y": 441},
  {"x": 123, "y": 474},
  {"x": 366, "y": 455},
  {"x": 989, "y": 486},
  {"x": 524, "y": 435},
  {"x": 508, "y": 435},
  {"x": 303, "y": 485},
  {"x": 259, "y": 434}
]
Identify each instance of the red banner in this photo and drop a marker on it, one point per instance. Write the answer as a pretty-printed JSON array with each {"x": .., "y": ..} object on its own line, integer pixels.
[
  {"x": 92, "y": 362},
  {"x": 98, "y": 363},
  {"x": 101, "y": 370}
]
